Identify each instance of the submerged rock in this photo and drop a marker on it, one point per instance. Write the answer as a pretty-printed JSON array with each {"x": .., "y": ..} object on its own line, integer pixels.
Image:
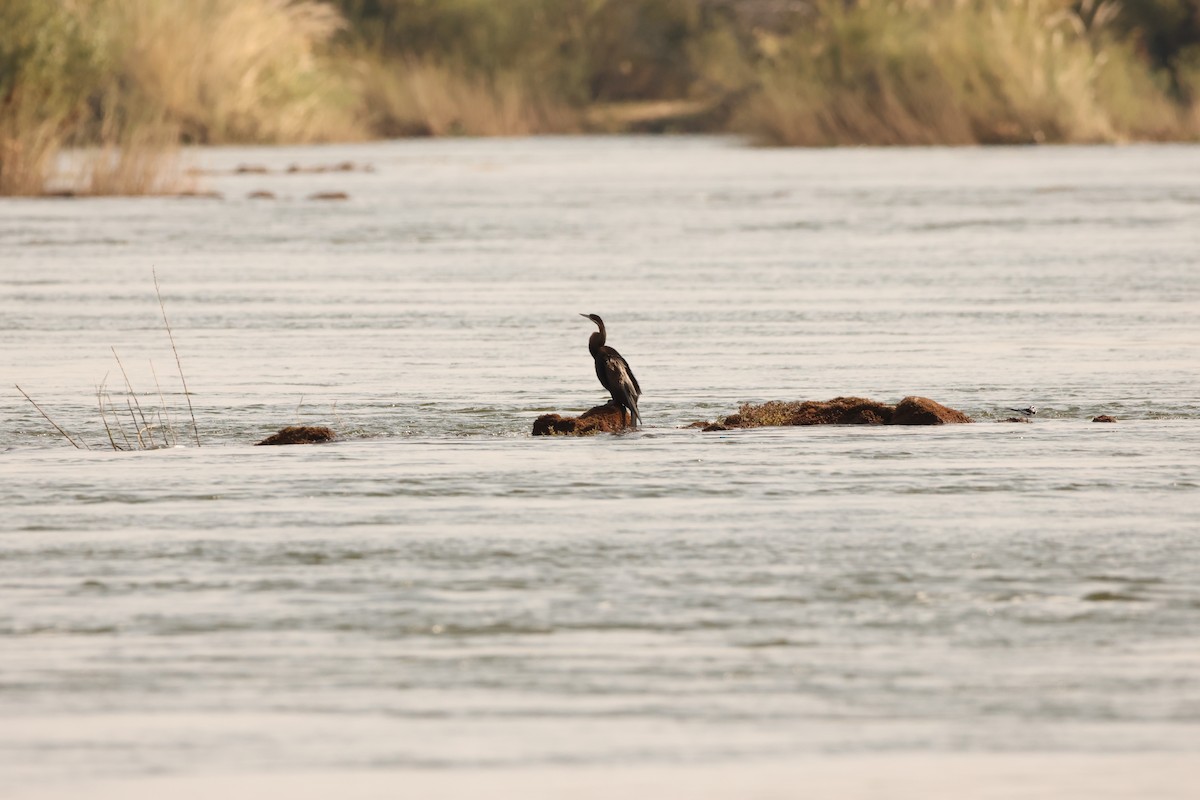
[
  {"x": 1104, "y": 418},
  {"x": 607, "y": 418},
  {"x": 300, "y": 434},
  {"x": 1014, "y": 419},
  {"x": 841, "y": 411}
]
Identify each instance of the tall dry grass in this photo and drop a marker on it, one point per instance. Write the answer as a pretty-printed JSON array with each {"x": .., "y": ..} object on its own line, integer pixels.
[
  {"x": 955, "y": 72},
  {"x": 232, "y": 70},
  {"x": 142, "y": 159},
  {"x": 413, "y": 97},
  {"x": 130, "y": 79},
  {"x": 48, "y": 64}
]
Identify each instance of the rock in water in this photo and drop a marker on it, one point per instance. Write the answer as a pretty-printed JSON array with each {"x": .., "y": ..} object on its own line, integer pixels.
[
  {"x": 923, "y": 411},
  {"x": 841, "y": 411},
  {"x": 601, "y": 419},
  {"x": 300, "y": 434},
  {"x": 1104, "y": 418}
]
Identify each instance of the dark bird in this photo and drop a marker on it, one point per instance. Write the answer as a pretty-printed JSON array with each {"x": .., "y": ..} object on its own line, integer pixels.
[
  {"x": 1028, "y": 411},
  {"x": 614, "y": 372}
]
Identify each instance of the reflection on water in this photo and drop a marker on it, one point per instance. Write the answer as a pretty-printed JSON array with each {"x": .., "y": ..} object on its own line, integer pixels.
[{"x": 441, "y": 589}]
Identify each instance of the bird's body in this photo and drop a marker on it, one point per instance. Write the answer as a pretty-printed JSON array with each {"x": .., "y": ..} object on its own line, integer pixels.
[
  {"x": 613, "y": 372},
  {"x": 1028, "y": 411}
]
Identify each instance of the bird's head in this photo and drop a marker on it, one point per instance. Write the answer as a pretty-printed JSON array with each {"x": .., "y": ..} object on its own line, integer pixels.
[{"x": 594, "y": 318}]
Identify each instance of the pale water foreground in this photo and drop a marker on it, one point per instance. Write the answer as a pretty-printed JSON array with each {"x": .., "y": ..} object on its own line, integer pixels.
[{"x": 441, "y": 601}]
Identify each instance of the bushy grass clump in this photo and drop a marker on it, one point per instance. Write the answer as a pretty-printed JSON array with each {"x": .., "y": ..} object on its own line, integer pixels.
[
  {"x": 231, "y": 70},
  {"x": 48, "y": 68},
  {"x": 131, "y": 79},
  {"x": 956, "y": 72}
]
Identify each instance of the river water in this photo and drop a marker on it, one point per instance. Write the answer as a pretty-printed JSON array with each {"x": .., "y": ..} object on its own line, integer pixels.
[{"x": 439, "y": 592}]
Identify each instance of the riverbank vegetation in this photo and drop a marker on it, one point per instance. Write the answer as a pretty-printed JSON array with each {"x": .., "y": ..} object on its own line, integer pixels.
[{"x": 133, "y": 79}]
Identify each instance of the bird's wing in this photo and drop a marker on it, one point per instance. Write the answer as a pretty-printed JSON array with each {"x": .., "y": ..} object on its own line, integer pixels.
[
  {"x": 619, "y": 368},
  {"x": 621, "y": 376}
]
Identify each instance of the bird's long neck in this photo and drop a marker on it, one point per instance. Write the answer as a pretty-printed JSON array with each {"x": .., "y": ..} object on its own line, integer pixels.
[{"x": 596, "y": 340}]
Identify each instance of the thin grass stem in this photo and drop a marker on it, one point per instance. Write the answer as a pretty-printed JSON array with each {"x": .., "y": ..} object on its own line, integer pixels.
[
  {"x": 52, "y": 422},
  {"x": 186, "y": 394}
]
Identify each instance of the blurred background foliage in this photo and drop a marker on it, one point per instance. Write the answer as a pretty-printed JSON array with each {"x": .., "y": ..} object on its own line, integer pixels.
[{"x": 118, "y": 74}]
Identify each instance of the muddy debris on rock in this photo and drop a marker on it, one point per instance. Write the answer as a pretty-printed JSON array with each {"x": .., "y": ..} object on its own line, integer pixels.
[
  {"x": 607, "y": 418},
  {"x": 300, "y": 434}
]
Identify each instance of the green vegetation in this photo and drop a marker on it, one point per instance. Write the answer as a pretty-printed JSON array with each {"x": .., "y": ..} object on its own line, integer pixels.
[{"x": 133, "y": 78}]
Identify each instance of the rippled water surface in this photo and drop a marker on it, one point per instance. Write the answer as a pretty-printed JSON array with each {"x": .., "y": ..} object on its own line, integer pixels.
[{"x": 439, "y": 589}]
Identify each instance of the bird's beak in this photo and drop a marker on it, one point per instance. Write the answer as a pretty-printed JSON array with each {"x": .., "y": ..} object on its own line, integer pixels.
[{"x": 584, "y": 315}]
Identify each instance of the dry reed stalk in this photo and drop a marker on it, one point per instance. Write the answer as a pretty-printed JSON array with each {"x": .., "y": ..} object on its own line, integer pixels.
[
  {"x": 179, "y": 365},
  {"x": 169, "y": 427},
  {"x": 66, "y": 435},
  {"x": 102, "y": 396},
  {"x": 135, "y": 402},
  {"x": 103, "y": 416}
]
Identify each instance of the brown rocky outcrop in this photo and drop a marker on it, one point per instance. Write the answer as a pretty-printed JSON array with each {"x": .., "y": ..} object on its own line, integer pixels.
[
  {"x": 1104, "y": 418},
  {"x": 841, "y": 411},
  {"x": 601, "y": 419},
  {"x": 300, "y": 434},
  {"x": 923, "y": 411}
]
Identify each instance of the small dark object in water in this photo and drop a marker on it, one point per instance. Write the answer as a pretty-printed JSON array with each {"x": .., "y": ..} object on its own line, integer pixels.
[
  {"x": 251, "y": 169},
  {"x": 301, "y": 434},
  {"x": 608, "y": 418},
  {"x": 614, "y": 372},
  {"x": 1104, "y": 418},
  {"x": 1014, "y": 419},
  {"x": 261, "y": 194},
  {"x": 329, "y": 196},
  {"x": 344, "y": 166}
]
